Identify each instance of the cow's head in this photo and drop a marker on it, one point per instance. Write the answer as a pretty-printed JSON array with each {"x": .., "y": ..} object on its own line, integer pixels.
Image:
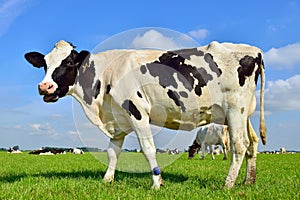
[
  {"x": 193, "y": 149},
  {"x": 61, "y": 66}
]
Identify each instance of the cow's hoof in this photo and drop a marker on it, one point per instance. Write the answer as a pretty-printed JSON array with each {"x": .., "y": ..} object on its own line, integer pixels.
[
  {"x": 157, "y": 182},
  {"x": 155, "y": 187},
  {"x": 249, "y": 181},
  {"x": 229, "y": 185},
  {"x": 108, "y": 179}
]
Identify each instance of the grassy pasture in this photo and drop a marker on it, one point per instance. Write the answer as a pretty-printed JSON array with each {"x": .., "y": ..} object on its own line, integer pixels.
[{"x": 24, "y": 176}]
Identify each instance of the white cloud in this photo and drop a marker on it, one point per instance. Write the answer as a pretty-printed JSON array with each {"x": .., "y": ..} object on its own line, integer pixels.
[
  {"x": 57, "y": 116},
  {"x": 12, "y": 127},
  {"x": 35, "y": 126},
  {"x": 153, "y": 39},
  {"x": 73, "y": 133},
  {"x": 17, "y": 126},
  {"x": 9, "y": 11},
  {"x": 199, "y": 34},
  {"x": 284, "y": 57},
  {"x": 283, "y": 95},
  {"x": 43, "y": 129}
]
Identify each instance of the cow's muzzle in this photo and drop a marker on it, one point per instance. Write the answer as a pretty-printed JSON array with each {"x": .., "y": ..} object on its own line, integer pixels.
[{"x": 47, "y": 89}]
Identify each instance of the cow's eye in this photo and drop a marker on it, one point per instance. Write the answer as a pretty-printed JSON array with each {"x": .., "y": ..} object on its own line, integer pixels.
[{"x": 68, "y": 63}]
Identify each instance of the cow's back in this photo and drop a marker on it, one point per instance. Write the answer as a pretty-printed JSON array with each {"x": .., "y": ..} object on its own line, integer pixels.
[{"x": 202, "y": 132}]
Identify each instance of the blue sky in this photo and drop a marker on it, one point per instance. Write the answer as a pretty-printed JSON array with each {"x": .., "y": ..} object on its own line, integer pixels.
[{"x": 32, "y": 25}]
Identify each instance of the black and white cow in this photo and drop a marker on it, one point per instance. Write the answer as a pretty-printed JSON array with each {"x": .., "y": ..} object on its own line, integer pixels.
[
  {"x": 48, "y": 151},
  {"x": 126, "y": 90},
  {"x": 208, "y": 135},
  {"x": 76, "y": 151},
  {"x": 14, "y": 149}
]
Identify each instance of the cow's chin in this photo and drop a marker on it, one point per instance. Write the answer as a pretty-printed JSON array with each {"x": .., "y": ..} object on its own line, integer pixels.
[{"x": 51, "y": 98}]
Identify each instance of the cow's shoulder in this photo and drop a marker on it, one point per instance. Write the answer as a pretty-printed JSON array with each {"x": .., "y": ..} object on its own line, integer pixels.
[{"x": 116, "y": 64}]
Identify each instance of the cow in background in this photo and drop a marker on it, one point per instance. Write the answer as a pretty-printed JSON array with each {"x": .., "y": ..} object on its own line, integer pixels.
[
  {"x": 76, "y": 151},
  {"x": 48, "y": 151},
  {"x": 282, "y": 150},
  {"x": 208, "y": 135},
  {"x": 14, "y": 149},
  {"x": 218, "y": 150}
]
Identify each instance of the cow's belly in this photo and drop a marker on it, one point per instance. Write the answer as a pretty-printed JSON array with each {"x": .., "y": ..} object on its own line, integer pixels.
[
  {"x": 198, "y": 111},
  {"x": 160, "y": 117}
]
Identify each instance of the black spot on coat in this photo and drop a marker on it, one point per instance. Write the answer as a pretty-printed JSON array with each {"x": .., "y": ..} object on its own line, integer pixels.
[
  {"x": 176, "y": 98},
  {"x": 258, "y": 71},
  {"x": 108, "y": 87},
  {"x": 65, "y": 75},
  {"x": 172, "y": 63},
  {"x": 247, "y": 66},
  {"x": 139, "y": 94},
  {"x": 97, "y": 88},
  {"x": 143, "y": 69},
  {"x": 131, "y": 109},
  {"x": 187, "y": 53},
  {"x": 212, "y": 64},
  {"x": 183, "y": 94},
  {"x": 86, "y": 79}
]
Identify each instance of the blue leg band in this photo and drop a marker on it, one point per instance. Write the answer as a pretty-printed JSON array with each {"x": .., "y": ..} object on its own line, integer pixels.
[{"x": 156, "y": 171}]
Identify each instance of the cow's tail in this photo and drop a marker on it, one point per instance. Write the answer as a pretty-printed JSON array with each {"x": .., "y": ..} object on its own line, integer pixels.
[{"x": 262, "y": 125}]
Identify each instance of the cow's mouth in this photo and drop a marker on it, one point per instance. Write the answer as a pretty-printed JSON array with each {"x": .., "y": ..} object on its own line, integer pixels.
[{"x": 50, "y": 98}]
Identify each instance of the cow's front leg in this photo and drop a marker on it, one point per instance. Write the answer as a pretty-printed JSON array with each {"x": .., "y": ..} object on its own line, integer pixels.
[
  {"x": 147, "y": 145},
  {"x": 113, "y": 152},
  {"x": 145, "y": 138},
  {"x": 251, "y": 154}
]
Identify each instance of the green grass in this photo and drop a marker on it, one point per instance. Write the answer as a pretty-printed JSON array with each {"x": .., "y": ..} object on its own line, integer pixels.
[{"x": 24, "y": 176}]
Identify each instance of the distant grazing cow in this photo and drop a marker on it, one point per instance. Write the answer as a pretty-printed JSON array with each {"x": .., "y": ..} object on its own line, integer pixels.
[
  {"x": 58, "y": 151},
  {"x": 13, "y": 150},
  {"x": 40, "y": 150},
  {"x": 161, "y": 151},
  {"x": 208, "y": 135},
  {"x": 125, "y": 90},
  {"x": 282, "y": 150},
  {"x": 173, "y": 152},
  {"x": 76, "y": 151},
  {"x": 47, "y": 151},
  {"x": 217, "y": 150}
]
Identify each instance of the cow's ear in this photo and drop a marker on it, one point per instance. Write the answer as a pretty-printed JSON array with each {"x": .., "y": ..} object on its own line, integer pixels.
[
  {"x": 36, "y": 59},
  {"x": 81, "y": 57}
]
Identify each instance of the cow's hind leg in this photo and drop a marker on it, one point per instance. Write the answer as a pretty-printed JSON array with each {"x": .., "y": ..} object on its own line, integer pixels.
[
  {"x": 224, "y": 151},
  {"x": 239, "y": 142},
  {"x": 113, "y": 152},
  {"x": 251, "y": 154},
  {"x": 211, "y": 152},
  {"x": 203, "y": 149}
]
